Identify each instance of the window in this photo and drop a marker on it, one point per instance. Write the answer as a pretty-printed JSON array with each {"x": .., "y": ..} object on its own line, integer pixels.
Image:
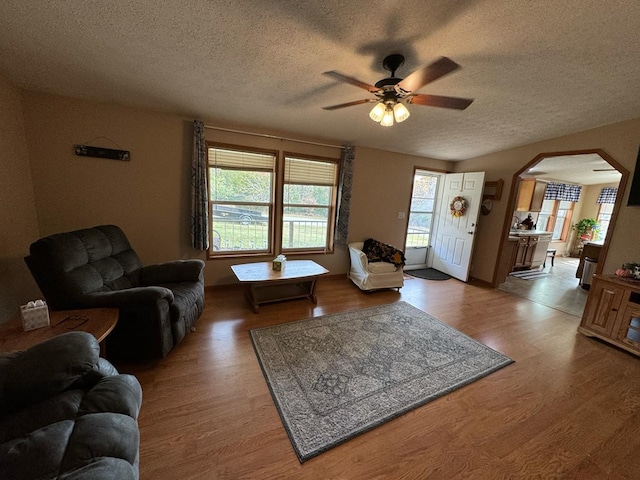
[
  {"x": 606, "y": 201},
  {"x": 241, "y": 192},
  {"x": 251, "y": 192},
  {"x": 423, "y": 199},
  {"x": 309, "y": 203},
  {"x": 604, "y": 219},
  {"x": 555, "y": 217}
]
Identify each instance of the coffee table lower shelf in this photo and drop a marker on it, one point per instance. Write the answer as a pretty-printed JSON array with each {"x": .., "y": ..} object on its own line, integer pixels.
[{"x": 258, "y": 294}]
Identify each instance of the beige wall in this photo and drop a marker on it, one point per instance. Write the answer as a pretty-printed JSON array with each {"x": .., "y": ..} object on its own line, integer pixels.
[
  {"x": 588, "y": 200},
  {"x": 18, "y": 223},
  {"x": 150, "y": 195},
  {"x": 382, "y": 188},
  {"x": 619, "y": 140}
]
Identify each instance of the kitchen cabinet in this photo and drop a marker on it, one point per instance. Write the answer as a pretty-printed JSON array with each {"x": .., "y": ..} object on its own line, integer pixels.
[
  {"x": 530, "y": 195},
  {"x": 540, "y": 252},
  {"x": 612, "y": 312},
  {"x": 507, "y": 258},
  {"x": 525, "y": 251}
]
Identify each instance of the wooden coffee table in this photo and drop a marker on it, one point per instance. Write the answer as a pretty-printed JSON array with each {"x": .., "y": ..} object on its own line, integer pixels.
[
  {"x": 99, "y": 322},
  {"x": 265, "y": 285}
]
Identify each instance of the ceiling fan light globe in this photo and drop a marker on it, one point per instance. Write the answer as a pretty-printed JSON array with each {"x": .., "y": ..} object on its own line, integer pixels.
[
  {"x": 387, "y": 118},
  {"x": 400, "y": 112},
  {"x": 377, "y": 112}
]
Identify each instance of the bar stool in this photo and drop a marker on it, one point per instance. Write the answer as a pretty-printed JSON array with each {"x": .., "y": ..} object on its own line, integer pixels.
[{"x": 551, "y": 252}]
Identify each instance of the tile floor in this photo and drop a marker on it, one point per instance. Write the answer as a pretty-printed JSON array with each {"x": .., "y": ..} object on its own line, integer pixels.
[{"x": 560, "y": 290}]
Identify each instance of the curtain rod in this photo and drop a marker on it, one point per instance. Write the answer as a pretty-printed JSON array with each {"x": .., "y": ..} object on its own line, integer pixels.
[{"x": 264, "y": 135}]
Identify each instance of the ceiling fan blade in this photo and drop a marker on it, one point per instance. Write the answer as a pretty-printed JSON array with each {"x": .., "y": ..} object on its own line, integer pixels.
[
  {"x": 353, "y": 81},
  {"x": 428, "y": 74},
  {"x": 440, "y": 101},
  {"x": 350, "y": 104}
]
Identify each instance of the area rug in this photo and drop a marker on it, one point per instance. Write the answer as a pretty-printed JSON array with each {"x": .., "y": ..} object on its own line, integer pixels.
[
  {"x": 428, "y": 274},
  {"x": 336, "y": 376},
  {"x": 529, "y": 275}
]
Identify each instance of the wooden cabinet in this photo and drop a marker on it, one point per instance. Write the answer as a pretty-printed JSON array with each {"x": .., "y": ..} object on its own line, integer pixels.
[
  {"x": 530, "y": 195},
  {"x": 507, "y": 258},
  {"x": 612, "y": 312},
  {"x": 525, "y": 252},
  {"x": 540, "y": 253}
]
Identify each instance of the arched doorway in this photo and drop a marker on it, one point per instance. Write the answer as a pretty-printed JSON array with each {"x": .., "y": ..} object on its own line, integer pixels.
[{"x": 585, "y": 168}]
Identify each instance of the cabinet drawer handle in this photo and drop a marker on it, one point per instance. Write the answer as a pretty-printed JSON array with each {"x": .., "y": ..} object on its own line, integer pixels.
[{"x": 614, "y": 309}]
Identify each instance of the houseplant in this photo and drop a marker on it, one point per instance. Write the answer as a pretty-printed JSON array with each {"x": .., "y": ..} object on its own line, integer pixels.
[{"x": 585, "y": 228}]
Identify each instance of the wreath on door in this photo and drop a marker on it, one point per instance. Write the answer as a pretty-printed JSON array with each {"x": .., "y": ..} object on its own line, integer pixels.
[{"x": 458, "y": 207}]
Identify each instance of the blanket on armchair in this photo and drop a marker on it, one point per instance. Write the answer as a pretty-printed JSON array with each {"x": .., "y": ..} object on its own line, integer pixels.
[{"x": 381, "y": 252}]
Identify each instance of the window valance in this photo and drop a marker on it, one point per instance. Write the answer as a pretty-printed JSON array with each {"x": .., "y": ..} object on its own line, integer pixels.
[
  {"x": 607, "y": 195},
  {"x": 563, "y": 191}
]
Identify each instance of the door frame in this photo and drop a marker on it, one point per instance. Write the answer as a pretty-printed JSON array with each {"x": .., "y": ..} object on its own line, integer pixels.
[
  {"x": 438, "y": 173},
  {"x": 506, "y": 227}
]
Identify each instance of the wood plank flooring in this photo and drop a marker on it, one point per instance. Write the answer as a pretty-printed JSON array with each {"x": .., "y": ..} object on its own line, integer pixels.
[{"x": 568, "y": 408}]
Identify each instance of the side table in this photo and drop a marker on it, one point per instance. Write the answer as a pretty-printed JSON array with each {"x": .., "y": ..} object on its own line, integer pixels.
[{"x": 99, "y": 322}]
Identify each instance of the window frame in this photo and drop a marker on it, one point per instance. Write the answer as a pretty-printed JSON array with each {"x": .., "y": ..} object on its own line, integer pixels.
[
  {"x": 423, "y": 173},
  {"x": 276, "y": 205},
  {"x": 599, "y": 233},
  {"x": 553, "y": 217},
  {"x": 332, "y": 207},
  {"x": 214, "y": 253}
]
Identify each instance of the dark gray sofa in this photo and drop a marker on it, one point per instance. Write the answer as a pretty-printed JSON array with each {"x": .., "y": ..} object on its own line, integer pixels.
[
  {"x": 96, "y": 267},
  {"x": 66, "y": 413}
]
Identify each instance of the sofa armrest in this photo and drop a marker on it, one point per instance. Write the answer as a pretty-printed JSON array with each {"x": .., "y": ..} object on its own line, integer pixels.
[
  {"x": 173, "y": 272},
  {"x": 359, "y": 260},
  {"x": 127, "y": 297}
]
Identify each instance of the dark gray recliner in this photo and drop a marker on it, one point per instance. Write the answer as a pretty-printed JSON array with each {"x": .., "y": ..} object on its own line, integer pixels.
[
  {"x": 67, "y": 414},
  {"x": 96, "y": 267}
]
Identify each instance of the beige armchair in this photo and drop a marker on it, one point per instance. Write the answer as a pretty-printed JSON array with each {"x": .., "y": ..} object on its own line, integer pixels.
[{"x": 372, "y": 275}]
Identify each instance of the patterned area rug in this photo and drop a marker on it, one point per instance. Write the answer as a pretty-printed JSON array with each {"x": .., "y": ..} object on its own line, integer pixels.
[{"x": 336, "y": 376}]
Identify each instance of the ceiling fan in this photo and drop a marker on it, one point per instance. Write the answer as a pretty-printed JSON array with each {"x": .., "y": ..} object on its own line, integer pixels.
[{"x": 391, "y": 92}]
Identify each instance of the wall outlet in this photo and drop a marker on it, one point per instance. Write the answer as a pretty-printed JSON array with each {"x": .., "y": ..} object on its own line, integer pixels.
[{"x": 400, "y": 215}]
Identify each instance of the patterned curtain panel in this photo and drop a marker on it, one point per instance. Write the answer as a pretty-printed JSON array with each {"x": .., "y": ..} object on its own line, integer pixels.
[
  {"x": 199, "y": 198},
  {"x": 563, "y": 191},
  {"x": 344, "y": 194},
  {"x": 607, "y": 195}
]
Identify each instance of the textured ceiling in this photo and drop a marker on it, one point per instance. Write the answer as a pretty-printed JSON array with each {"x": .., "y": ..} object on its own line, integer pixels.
[
  {"x": 586, "y": 169},
  {"x": 536, "y": 69}
]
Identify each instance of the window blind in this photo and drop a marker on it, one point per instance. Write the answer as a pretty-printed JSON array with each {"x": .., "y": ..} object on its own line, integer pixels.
[
  {"x": 221, "y": 158},
  {"x": 607, "y": 195},
  {"x": 301, "y": 171}
]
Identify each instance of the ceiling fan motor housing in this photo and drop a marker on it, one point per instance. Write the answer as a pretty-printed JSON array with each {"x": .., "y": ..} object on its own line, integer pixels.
[
  {"x": 393, "y": 62},
  {"x": 390, "y": 94}
]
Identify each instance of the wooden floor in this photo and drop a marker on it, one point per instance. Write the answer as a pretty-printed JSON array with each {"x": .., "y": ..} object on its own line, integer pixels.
[{"x": 568, "y": 408}]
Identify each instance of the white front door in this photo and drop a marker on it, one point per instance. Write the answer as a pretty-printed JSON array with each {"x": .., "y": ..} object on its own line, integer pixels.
[{"x": 455, "y": 234}]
